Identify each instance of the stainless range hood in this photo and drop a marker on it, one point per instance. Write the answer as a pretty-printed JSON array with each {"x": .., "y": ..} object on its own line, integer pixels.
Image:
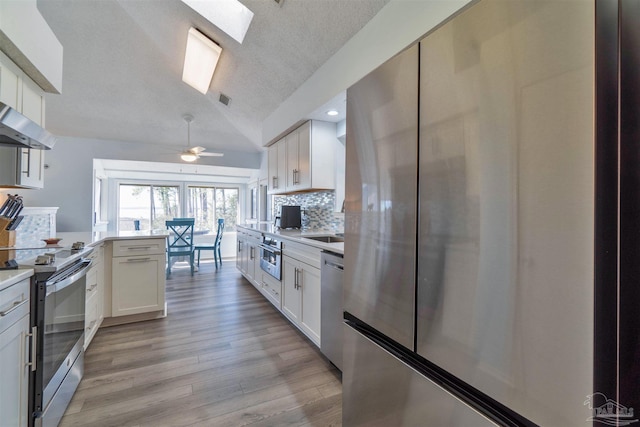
[{"x": 16, "y": 130}]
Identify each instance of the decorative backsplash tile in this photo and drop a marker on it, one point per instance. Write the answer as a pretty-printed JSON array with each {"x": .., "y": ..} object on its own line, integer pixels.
[
  {"x": 318, "y": 209},
  {"x": 37, "y": 224}
]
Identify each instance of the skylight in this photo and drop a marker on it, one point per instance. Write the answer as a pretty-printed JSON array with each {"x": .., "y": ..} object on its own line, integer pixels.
[{"x": 230, "y": 16}]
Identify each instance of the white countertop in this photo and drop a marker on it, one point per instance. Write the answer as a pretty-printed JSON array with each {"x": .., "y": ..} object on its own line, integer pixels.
[
  {"x": 94, "y": 238},
  {"x": 11, "y": 277},
  {"x": 299, "y": 236}
]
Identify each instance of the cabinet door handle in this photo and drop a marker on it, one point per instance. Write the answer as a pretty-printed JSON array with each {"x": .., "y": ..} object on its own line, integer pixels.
[
  {"x": 296, "y": 176},
  {"x": 28, "y": 171},
  {"x": 137, "y": 248},
  {"x": 34, "y": 347},
  {"x": 274, "y": 182},
  {"x": 252, "y": 252},
  {"x": 14, "y": 306},
  {"x": 138, "y": 259}
]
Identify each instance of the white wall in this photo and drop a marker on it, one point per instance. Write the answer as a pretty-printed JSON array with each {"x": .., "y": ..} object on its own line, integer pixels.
[
  {"x": 395, "y": 27},
  {"x": 68, "y": 182}
]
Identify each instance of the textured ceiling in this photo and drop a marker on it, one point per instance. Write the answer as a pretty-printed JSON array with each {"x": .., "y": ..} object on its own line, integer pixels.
[{"x": 123, "y": 67}]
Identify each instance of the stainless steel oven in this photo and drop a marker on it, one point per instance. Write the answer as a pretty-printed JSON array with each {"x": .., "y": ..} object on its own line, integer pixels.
[
  {"x": 271, "y": 256},
  {"x": 58, "y": 314}
]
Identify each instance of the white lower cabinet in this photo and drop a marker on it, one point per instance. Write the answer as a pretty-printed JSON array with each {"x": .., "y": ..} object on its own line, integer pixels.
[
  {"x": 301, "y": 296},
  {"x": 14, "y": 355},
  {"x": 239, "y": 254},
  {"x": 297, "y": 295},
  {"x": 291, "y": 295},
  {"x": 248, "y": 256},
  {"x": 94, "y": 296},
  {"x": 135, "y": 285},
  {"x": 137, "y": 281}
]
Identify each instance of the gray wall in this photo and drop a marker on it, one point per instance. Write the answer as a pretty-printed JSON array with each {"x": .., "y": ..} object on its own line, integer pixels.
[{"x": 68, "y": 181}]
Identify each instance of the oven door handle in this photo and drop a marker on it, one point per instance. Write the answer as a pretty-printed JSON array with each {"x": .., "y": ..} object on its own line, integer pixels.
[
  {"x": 58, "y": 286},
  {"x": 271, "y": 249}
]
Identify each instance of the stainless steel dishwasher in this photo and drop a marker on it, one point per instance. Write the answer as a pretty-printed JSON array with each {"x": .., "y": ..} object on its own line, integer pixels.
[{"x": 331, "y": 277}]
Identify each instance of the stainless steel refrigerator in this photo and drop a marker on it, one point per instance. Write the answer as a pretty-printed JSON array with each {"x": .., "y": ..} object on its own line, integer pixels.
[{"x": 492, "y": 218}]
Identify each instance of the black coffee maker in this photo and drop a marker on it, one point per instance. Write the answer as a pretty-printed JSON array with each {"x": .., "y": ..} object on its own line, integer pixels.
[{"x": 290, "y": 217}]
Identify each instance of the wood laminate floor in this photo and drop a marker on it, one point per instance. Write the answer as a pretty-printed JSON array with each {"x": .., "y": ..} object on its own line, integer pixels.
[{"x": 224, "y": 356}]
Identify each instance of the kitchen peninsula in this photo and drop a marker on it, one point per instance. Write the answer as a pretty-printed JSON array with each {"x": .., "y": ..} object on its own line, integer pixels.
[
  {"x": 126, "y": 282},
  {"x": 131, "y": 266}
]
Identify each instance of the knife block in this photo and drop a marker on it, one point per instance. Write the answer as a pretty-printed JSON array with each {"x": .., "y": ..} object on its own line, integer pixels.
[
  {"x": 7, "y": 237},
  {"x": 6, "y": 256}
]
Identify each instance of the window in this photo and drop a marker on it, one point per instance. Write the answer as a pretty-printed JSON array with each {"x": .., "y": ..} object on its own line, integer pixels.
[
  {"x": 147, "y": 207},
  {"x": 227, "y": 207},
  {"x": 207, "y": 204}
]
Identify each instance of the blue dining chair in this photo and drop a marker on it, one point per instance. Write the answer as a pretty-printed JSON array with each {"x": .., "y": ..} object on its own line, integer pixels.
[
  {"x": 215, "y": 247},
  {"x": 180, "y": 241}
]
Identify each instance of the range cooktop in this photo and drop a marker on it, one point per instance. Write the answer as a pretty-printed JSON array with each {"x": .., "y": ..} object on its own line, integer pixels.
[{"x": 63, "y": 257}]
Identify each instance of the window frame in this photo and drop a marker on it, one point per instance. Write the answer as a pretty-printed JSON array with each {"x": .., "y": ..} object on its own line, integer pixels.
[{"x": 183, "y": 189}]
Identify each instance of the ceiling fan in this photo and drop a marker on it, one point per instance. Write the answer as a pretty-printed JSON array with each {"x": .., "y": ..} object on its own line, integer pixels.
[{"x": 191, "y": 154}]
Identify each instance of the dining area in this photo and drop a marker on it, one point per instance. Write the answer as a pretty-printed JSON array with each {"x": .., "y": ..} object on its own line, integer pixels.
[{"x": 182, "y": 246}]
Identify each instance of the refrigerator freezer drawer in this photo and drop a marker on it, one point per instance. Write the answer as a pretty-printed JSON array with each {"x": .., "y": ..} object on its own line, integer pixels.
[{"x": 380, "y": 390}]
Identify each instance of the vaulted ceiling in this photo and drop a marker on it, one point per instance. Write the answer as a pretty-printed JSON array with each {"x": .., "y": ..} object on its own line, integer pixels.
[{"x": 123, "y": 66}]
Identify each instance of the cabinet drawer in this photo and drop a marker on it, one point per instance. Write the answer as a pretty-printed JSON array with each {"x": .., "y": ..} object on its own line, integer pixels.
[
  {"x": 14, "y": 304},
  {"x": 91, "y": 316},
  {"x": 92, "y": 284},
  {"x": 272, "y": 290},
  {"x": 92, "y": 319},
  {"x": 273, "y": 296},
  {"x": 138, "y": 247},
  {"x": 14, "y": 294},
  {"x": 257, "y": 236},
  {"x": 302, "y": 252}
]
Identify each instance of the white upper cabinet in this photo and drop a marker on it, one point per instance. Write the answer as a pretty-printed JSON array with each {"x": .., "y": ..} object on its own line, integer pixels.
[
  {"x": 305, "y": 159},
  {"x": 277, "y": 167},
  {"x": 21, "y": 167},
  {"x": 9, "y": 87},
  {"x": 32, "y": 102}
]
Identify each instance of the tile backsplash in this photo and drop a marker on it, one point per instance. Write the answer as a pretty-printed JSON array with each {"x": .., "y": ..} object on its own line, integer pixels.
[
  {"x": 318, "y": 209},
  {"x": 38, "y": 224}
]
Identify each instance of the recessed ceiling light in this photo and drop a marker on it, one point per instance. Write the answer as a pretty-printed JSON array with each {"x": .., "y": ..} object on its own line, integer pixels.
[{"x": 332, "y": 113}]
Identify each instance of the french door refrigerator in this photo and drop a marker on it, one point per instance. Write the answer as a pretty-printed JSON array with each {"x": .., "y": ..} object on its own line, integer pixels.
[{"x": 492, "y": 222}]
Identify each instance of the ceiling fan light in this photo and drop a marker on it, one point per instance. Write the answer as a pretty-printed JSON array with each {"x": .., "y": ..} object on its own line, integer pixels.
[
  {"x": 188, "y": 157},
  {"x": 200, "y": 60}
]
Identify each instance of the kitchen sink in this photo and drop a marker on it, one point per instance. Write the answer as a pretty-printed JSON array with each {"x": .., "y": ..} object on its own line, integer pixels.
[{"x": 326, "y": 239}]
